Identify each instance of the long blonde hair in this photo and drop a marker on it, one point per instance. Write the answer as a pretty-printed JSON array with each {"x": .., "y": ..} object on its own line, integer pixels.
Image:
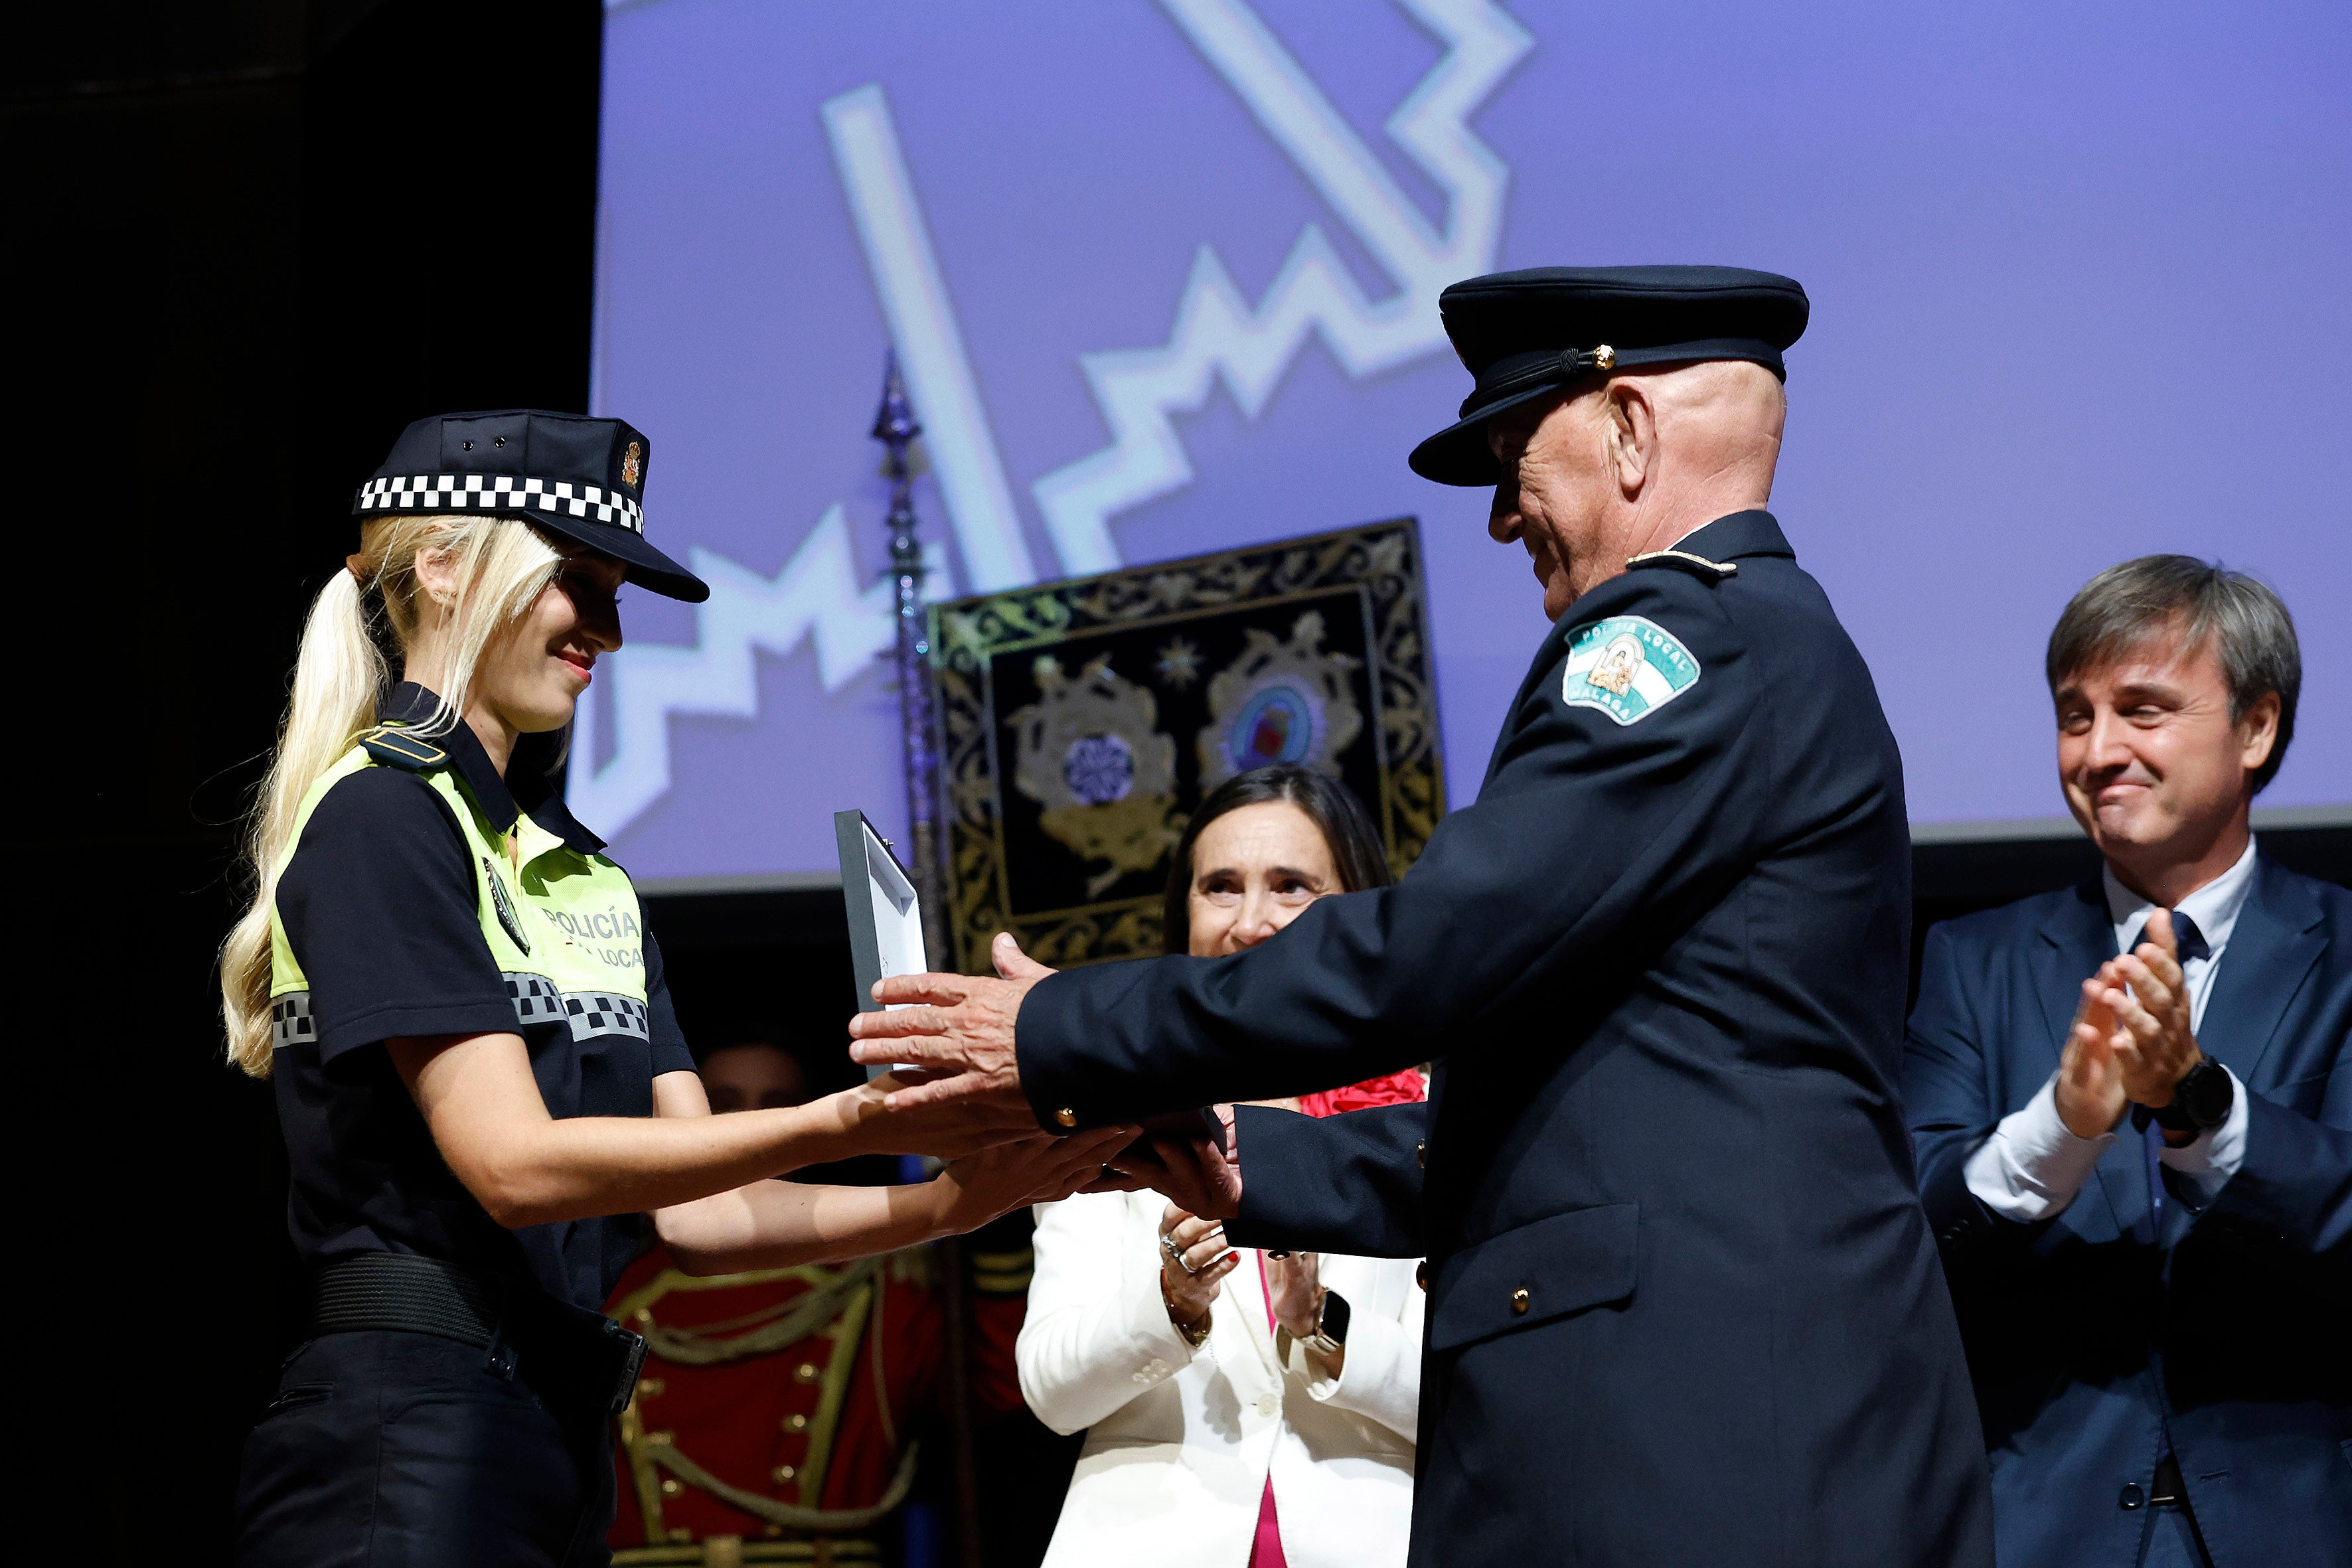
[{"x": 341, "y": 674}]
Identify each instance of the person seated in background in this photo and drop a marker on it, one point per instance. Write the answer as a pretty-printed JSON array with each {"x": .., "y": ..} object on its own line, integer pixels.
[
  {"x": 2132, "y": 1105},
  {"x": 754, "y": 1076},
  {"x": 1239, "y": 1408},
  {"x": 776, "y": 1416}
]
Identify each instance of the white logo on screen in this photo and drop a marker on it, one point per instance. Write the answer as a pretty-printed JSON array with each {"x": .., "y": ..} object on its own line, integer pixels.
[{"x": 1216, "y": 335}]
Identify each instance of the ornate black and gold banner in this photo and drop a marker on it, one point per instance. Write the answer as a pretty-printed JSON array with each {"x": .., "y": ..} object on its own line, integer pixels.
[{"x": 1081, "y": 721}]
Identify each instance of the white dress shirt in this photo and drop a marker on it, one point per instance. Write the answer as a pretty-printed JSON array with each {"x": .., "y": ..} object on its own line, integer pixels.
[{"x": 2031, "y": 1166}]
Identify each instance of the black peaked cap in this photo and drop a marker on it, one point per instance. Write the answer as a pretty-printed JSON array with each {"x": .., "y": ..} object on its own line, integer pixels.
[
  {"x": 582, "y": 478},
  {"x": 1530, "y": 334}
]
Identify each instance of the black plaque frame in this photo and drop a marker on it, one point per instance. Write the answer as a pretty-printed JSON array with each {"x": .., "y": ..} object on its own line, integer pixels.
[{"x": 993, "y": 655}]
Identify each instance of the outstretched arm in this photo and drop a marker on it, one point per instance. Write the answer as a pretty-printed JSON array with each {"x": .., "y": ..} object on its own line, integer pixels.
[
  {"x": 777, "y": 1224},
  {"x": 1597, "y": 838},
  {"x": 527, "y": 1167}
]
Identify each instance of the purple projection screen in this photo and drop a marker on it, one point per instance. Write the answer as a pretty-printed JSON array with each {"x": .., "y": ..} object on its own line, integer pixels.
[{"x": 1163, "y": 279}]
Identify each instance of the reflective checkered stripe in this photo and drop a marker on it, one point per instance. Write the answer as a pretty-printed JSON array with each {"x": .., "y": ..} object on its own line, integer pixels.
[
  {"x": 587, "y": 1013},
  {"x": 494, "y": 492},
  {"x": 595, "y": 1013},
  {"x": 535, "y": 999},
  {"x": 537, "y": 1002},
  {"x": 290, "y": 1021}
]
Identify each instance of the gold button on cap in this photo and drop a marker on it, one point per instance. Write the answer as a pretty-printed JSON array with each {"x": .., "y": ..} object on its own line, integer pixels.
[
  {"x": 1519, "y": 1299},
  {"x": 1065, "y": 1117}
]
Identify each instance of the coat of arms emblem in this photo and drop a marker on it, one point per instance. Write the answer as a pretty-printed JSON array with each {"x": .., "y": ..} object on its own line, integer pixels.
[
  {"x": 1629, "y": 667},
  {"x": 1090, "y": 752}
]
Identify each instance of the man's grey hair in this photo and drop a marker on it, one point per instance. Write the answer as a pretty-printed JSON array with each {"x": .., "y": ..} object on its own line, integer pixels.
[{"x": 2186, "y": 602}]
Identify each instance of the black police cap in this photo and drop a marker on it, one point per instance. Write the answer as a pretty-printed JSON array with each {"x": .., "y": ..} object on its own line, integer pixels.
[
  {"x": 582, "y": 478},
  {"x": 1530, "y": 334}
]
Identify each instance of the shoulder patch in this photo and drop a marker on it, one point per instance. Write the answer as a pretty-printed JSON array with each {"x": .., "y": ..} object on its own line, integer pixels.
[
  {"x": 1629, "y": 667},
  {"x": 394, "y": 746},
  {"x": 1698, "y": 566}
]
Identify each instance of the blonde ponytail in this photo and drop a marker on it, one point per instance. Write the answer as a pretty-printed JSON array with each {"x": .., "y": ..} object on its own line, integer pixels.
[{"x": 339, "y": 675}]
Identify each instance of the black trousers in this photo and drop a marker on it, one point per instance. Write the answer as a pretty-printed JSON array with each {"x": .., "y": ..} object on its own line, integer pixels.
[{"x": 388, "y": 1449}]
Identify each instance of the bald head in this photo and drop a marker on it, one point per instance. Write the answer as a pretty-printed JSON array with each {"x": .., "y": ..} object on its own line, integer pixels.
[{"x": 1631, "y": 465}]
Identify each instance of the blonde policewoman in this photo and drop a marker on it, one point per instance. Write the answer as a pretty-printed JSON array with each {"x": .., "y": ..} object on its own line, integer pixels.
[{"x": 480, "y": 1077}]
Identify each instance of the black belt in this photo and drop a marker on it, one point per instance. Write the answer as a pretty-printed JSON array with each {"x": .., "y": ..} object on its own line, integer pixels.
[{"x": 408, "y": 1294}]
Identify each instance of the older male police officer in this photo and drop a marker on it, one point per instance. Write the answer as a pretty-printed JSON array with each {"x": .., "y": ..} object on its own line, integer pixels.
[{"x": 1684, "y": 1306}]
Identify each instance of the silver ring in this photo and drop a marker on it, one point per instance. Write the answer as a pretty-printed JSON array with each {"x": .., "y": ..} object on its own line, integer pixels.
[{"x": 1176, "y": 1253}]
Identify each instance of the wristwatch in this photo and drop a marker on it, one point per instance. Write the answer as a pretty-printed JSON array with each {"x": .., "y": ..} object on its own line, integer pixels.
[
  {"x": 2202, "y": 1099},
  {"x": 1330, "y": 1333}
]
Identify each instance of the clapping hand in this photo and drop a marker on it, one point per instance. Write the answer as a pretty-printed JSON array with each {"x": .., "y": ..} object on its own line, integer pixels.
[
  {"x": 1295, "y": 1291},
  {"x": 1193, "y": 1258},
  {"x": 2132, "y": 1041},
  {"x": 2155, "y": 1040},
  {"x": 2090, "y": 1086}
]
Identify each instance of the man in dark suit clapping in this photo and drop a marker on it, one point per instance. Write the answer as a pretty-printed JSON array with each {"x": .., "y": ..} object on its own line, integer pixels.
[{"x": 2133, "y": 1109}]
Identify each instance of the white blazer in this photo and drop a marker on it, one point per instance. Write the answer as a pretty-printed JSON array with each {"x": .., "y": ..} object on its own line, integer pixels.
[{"x": 1179, "y": 1442}]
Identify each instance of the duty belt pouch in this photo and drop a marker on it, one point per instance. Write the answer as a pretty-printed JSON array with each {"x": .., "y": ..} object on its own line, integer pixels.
[
  {"x": 601, "y": 1358},
  {"x": 630, "y": 1361}
]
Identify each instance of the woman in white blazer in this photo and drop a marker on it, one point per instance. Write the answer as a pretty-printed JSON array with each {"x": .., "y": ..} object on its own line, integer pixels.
[{"x": 1242, "y": 1410}]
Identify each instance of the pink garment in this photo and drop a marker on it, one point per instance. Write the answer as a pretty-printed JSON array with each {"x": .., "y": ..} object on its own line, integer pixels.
[
  {"x": 1265, "y": 1547},
  {"x": 1395, "y": 1089}
]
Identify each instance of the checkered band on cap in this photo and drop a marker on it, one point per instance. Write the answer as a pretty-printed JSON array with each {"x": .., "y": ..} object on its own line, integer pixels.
[
  {"x": 414, "y": 493},
  {"x": 291, "y": 1023},
  {"x": 601, "y": 1012}
]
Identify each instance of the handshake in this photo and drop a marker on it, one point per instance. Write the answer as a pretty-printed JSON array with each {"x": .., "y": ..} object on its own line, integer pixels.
[{"x": 955, "y": 1091}]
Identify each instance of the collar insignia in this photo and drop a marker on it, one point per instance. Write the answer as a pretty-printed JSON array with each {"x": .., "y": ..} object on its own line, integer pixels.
[
  {"x": 393, "y": 745},
  {"x": 1697, "y": 565}
]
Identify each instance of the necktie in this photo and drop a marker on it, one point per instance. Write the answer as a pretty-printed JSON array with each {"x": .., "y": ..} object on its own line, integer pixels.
[
  {"x": 2187, "y": 939},
  {"x": 2189, "y": 944}
]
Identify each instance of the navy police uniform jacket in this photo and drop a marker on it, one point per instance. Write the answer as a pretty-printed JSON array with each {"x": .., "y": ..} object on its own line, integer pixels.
[
  {"x": 2119, "y": 1328},
  {"x": 1684, "y": 1304}
]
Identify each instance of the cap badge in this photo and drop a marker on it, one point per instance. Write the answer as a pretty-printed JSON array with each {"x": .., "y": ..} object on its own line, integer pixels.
[{"x": 633, "y": 463}]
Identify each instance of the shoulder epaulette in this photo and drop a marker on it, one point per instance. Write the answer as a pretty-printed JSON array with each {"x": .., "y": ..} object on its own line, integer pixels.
[
  {"x": 1683, "y": 560},
  {"x": 394, "y": 746}
]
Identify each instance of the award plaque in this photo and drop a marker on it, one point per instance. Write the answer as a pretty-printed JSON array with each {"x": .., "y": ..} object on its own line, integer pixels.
[{"x": 886, "y": 913}]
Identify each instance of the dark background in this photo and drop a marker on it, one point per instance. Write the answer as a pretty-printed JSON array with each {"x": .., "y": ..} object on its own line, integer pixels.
[{"x": 247, "y": 241}]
